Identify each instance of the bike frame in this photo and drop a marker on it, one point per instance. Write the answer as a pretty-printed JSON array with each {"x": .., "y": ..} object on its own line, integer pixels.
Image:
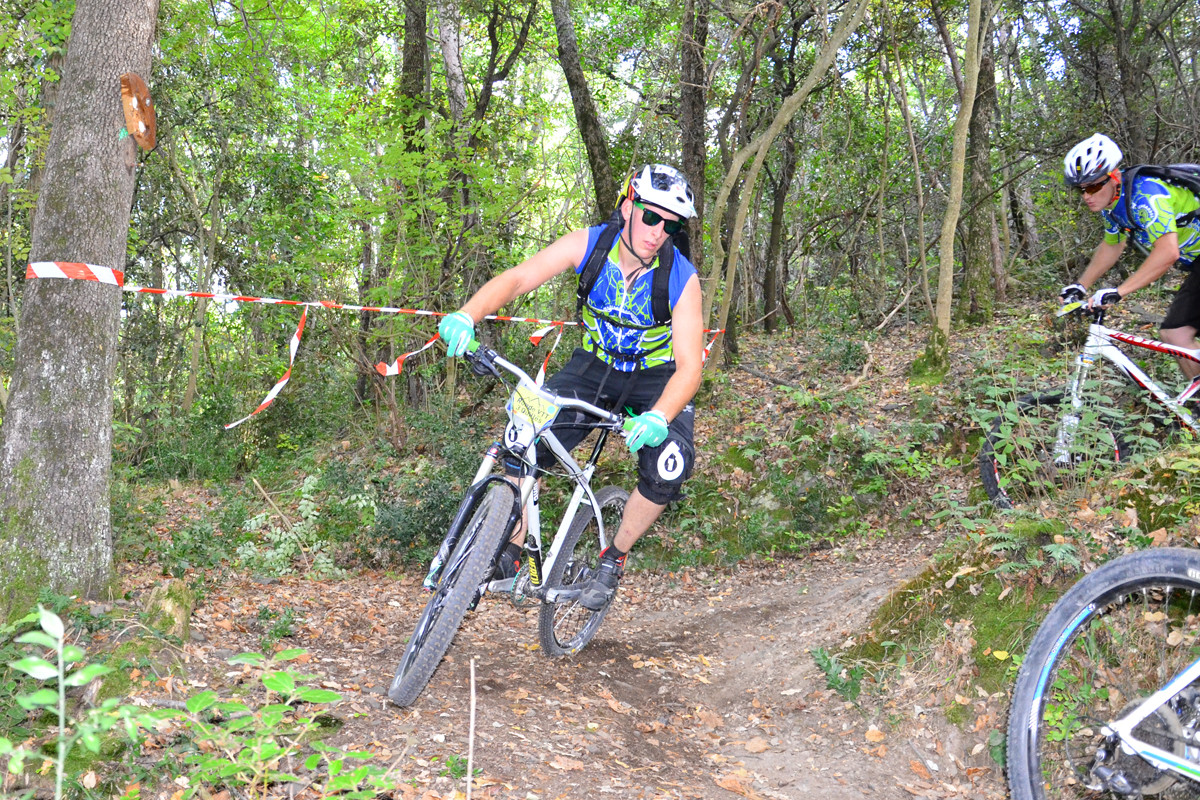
[
  {"x": 1101, "y": 343},
  {"x": 521, "y": 438}
]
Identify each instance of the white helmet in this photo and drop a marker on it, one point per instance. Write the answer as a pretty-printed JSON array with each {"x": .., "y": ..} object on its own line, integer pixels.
[
  {"x": 1090, "y": 160},
  {"x": 663, "y": 186}
]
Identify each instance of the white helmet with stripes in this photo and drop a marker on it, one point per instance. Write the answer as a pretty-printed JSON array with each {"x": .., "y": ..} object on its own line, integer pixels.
[
  {"x": 1091, "y": 160},
  {"x": 663, "y": 186}
]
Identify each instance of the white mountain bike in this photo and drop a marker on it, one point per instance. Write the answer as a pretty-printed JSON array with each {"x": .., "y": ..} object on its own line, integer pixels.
[
  {"x": 1107, "y": 701},
  {"x": 461, "y": 572},
  {"x": 1051, "y": 440}
]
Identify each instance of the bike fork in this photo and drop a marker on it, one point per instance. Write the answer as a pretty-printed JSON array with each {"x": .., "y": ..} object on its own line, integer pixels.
[
  {"x": 434, "y": 575},
  {"x": 1070, "y": 420}
]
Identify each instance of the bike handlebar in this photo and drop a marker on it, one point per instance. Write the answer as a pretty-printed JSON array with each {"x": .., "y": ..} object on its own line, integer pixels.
[
  {"x": 486, "y": 361},
  {"x": 1080, "y": 307}
]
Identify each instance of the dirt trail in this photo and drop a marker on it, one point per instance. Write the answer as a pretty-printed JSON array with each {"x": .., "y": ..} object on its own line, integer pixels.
[{"x": 699, "y": 685}]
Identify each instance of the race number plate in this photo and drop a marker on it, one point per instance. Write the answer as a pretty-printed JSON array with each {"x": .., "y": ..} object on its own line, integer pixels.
[{"x": 527, "y": 406}]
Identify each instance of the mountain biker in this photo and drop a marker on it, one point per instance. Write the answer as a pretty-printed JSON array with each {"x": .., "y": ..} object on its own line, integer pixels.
[
  {"x": 1148, "y": 217},
  {"x": 628, "y": 359}
]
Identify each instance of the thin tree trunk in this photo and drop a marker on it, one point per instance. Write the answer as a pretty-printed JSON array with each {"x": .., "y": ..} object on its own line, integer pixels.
[
  {"x": 693, "y": 94},
  {"x": 977, "y": 299},
  {"x": 759, "y": 148},
  {"x": 595, "y": 143},
  {"x": 937, "y": 352},
  {"x": 56, "y": 439}
]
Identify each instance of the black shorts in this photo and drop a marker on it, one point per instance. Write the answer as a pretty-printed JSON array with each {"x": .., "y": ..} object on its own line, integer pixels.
[
  {"x": 1184, "y": 311},
  {"x": 662, "y": 469}
]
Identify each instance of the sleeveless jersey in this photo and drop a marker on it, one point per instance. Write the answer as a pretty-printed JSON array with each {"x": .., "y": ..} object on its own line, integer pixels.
[{"x": 619, "y": 326}]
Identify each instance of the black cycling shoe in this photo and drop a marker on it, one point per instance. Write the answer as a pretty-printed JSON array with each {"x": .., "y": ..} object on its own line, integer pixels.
[
  {"x": 508, "y": 563},
  {"x": 598, "y": 592}
]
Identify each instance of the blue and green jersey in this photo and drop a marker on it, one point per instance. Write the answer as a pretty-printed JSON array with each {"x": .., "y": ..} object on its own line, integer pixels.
[
  {"x": 619, "y": 325},
  {"x": 1152, "y": 209}
]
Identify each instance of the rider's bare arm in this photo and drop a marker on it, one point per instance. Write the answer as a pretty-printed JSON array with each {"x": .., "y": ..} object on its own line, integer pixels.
[
  {"x": 687, "y": 335},
  {"x": 1163, "y": 256},
  {"x": 1103, "y": 259},
  {"x": 564, "y": 254}
]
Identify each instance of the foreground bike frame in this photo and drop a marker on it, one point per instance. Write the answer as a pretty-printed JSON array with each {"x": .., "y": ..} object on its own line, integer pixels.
[
  {"x": 1107, "y": 701},
  {"x": 493, "y": 506},
  {"x": 1102, "y": 344}
]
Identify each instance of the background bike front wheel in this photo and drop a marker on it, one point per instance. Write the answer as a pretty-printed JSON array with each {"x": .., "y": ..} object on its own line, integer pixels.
[
  {"x": 566, "y": 627},
  {"x": 1110, "y": 642},
  {"x": 464, "y": 571},
  {"x": 1018, "y": 462}
]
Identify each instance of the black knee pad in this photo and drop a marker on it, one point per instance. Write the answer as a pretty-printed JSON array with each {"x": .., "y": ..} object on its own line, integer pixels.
[{"x": 662, "y": 470}]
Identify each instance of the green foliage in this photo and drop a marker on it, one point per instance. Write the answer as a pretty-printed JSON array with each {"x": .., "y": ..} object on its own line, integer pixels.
[
  {"x": 845, "y": 680},
  {"x": 277, "y": 549},
  {"x": 215, "y": 743}
]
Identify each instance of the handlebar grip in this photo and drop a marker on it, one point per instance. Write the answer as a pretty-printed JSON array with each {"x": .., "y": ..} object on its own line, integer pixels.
[{"x": 1069, "y": 308}]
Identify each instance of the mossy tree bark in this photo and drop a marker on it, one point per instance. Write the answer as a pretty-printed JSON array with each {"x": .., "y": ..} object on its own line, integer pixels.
[
  {"x": 936, "y": 356},
  {"x": 56, "y": 440}
]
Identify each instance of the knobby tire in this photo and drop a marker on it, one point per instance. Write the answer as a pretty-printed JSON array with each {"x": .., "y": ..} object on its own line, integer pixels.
[
  {"x": 466, "y": 568},
  {"x": 566, "y": 627},
  {"x": 1112, "y": 640},
  {"x": 1016, "y": 461}
]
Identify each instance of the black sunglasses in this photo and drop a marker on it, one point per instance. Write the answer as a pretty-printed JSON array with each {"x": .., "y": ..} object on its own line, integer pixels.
[
  {"x": 1092, "y": 188},
  {"x": 651, "y": 218}
]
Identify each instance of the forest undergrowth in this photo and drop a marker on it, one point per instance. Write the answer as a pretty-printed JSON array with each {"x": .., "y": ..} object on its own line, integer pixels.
[{"x": 806, "y": 444}]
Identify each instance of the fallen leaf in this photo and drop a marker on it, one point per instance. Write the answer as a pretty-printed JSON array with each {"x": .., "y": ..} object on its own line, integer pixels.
[
  {"x": 875, "y": 735},
  {"x": 757, "y": 745},
  {"x": 566, "y": 764},
  {"x": 1159, "y": 537},
  {"x": 919, "y": 770}
]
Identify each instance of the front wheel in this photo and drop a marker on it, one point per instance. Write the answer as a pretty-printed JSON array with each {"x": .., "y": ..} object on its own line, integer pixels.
[
  {"x": 1110, "y": 642},
  {"x": 1021, "y": 462},
  {"x": 465, "y": 569},
  {"x": 565, "y": 627}
]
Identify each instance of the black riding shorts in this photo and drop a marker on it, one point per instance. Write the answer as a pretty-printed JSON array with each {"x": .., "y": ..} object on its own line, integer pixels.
[
  {"x": 1184, "y": 311},
  {"x": 662, "y": 469}
]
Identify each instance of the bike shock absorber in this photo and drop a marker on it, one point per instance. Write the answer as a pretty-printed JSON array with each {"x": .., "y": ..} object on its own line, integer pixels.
[{"x": 534, "y": 550}]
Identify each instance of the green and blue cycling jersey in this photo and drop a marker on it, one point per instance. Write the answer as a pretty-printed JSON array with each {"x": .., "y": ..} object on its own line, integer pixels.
[
  {"x": 619, "y": 325},
  {"x": 1152, "y": 210}
]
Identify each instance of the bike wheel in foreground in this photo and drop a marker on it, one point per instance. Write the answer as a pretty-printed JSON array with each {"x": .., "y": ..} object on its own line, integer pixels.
[
  {"x": 566, "y": 627},
  {"x": 1018, "y": 462},
  {"x": 465, "y": 569},
  {"x": 1110, "y": 642}
]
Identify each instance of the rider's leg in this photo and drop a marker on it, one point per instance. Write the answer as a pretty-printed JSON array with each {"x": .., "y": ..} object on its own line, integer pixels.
[
  {"x": 1183, "y": 337},
  {"x": 661, "y": 473},
  {"x": 1182, "y": 321},
  {"x": 639, "y": 515}
]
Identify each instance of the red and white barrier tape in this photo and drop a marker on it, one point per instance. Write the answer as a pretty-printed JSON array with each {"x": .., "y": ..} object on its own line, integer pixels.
[
  {"x": 91, "y": 272},
  {"x": 287, "y": 376},
  {"x": 75, "y": 271}
]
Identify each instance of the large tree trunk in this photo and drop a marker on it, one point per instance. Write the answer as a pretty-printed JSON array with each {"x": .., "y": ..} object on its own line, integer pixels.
[
  {"x": 586, "y": 115},
  {"x": 56, "y": 440}
]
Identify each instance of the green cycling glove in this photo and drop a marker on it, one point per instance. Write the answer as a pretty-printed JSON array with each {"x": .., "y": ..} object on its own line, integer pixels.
[
  {"x": 457, "y": 329},
  {"x": 647, "y": 430}
]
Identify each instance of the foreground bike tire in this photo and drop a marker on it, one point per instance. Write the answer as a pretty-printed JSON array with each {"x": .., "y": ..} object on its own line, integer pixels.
[
  {"x": 565, "y": 627},
  {"x": 1017, "y": 460},
  {"x": 465, "y": 569},
  {"x": 1112, "y": 640}
]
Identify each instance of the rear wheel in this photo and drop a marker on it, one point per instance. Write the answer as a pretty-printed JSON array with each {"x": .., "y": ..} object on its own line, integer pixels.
[
  {"x": 1018, "y": 462},
  {"x": 1114, "y": 639},
  {"x": 465, "y": 569},
  {"x": 565, "y": 627}
]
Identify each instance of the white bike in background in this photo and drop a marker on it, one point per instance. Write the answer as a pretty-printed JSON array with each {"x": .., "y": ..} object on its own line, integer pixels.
[{"x": 1050, "y": 441}]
